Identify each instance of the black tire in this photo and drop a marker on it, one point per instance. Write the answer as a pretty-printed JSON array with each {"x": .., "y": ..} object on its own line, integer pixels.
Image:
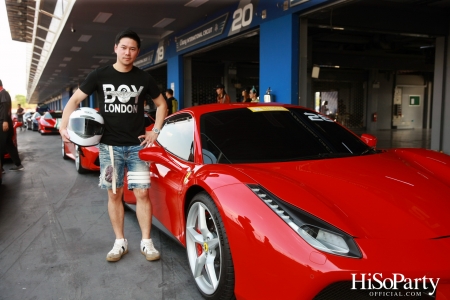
[
  {"x": 212, "y": 241},
  {"x": 63, "y": 151},
  {"x": 78, "y": 166}
]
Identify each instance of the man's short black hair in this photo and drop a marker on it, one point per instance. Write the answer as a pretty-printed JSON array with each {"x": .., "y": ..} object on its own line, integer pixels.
[
  {"x": 1, "y": 83},
  {"x": 128, "y": 34},
  {"x": 170, "y": 91}
]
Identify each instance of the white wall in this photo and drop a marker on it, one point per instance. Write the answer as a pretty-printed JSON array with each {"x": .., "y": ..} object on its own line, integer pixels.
[{"x": 412, "y": 115}]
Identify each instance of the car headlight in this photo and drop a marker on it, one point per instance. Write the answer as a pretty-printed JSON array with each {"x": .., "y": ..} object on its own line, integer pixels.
[{"x": 316, "y": 232}]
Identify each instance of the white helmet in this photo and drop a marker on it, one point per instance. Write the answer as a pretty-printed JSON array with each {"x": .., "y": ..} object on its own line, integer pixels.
[{"x": 85, "y": 127}]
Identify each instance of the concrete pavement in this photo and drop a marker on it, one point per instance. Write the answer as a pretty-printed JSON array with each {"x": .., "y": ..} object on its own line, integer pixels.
[{"x": 55, "y": 233}]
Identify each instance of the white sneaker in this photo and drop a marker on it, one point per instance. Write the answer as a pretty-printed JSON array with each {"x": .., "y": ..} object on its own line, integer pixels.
[
  {"x": 149, "y": 250},
  {"x": 120, "y": 248}
]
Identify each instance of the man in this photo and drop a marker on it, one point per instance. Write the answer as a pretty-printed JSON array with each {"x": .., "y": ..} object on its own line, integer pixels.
[
  {"x": 122, "y": 89},
  {"x": 20, "y": 112},
  {"x": 222, "y": 96},
  {"x": 7, "y": 131},
  {"x": 172, "y": 103}
]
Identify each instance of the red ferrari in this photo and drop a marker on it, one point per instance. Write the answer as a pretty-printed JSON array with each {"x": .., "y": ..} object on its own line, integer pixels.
[
  {"x": 279, "y": 202},
  {"x": 86, "y": 158},
  {"x": 49, "y": 122}
]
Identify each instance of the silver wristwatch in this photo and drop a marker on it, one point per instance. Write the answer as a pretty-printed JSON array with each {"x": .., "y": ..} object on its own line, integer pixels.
[{"x": 156, "y": 130}]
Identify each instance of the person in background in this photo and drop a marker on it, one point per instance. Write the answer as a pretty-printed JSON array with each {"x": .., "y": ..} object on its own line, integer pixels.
[
  {"x": 172, "y": 103},
  {"x": 146, "y": 106},
  {"x": 245, "y": 96},
  {"x": 324, "y": 108},
  {"x": 173, "y": 100},
  {"x": 7, "y": 131},
  {"x": 20, "y": 112},
  {"x": 254, "y": 95},
  {"x": 222, "y": 96},
  {"x": 120, "y": 144}
]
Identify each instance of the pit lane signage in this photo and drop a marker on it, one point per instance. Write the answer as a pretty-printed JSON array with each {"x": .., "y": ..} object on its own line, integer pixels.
[
  {"x": 296, "y": 2},
  {"x": 145, "y": 59},
  {"x": 202, "y": 33},
  {"x": 243, "y": 16}
]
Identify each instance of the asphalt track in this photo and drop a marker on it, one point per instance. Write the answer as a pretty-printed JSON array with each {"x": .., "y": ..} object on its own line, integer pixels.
[{"x": 55, "y": 233}]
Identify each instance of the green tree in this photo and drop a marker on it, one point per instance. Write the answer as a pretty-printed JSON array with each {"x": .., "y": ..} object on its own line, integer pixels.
[{"x": 20, "y": 99}]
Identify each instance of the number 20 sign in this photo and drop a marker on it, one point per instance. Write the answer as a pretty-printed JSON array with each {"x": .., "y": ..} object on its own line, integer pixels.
[{"x": 242, "y": 17}]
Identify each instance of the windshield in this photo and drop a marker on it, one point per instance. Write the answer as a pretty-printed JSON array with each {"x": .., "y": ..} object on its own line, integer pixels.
[
  {"x": 275, "y": 134},
  {"x": 53, "y": 115}
]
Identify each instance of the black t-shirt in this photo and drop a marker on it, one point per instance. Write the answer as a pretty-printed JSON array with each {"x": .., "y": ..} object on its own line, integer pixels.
[
  {"x": 19, "y": 113},
  {"x": 121, "y": 102},
  {"x": 5, "y": 107}
]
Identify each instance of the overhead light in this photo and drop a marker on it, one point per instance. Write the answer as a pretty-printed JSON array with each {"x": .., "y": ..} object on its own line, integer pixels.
[
  {"x": 102, "y": 17},
  {"x": 67, "y": 58},
  {"x": 166, "y": 33},
  {"x": 329, "y": 66},
  {"x": 62, "y": 65},
  {"x": 195, "y": 3},
  {"x": 149, "y": 36},
  {"x": 104, "y": 57},
  {"x": 84, "y": 38},
  {"x": 315, "y": 71},
  {"x": 164, "y": 22},
  {"x": 75, "y": 49}
]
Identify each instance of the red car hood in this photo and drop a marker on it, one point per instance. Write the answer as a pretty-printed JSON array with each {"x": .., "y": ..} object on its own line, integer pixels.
[{"x": 379, "y": 196}]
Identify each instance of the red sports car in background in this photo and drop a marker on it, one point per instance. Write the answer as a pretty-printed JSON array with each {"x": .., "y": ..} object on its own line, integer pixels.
[
  {"x": 49, "y": 122},
  {"x": 279, "y": 202},
  {"x": 86, "y": 158}
]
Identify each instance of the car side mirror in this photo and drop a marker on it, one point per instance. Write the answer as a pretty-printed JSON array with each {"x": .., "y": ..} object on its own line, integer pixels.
[
  {"x": 369, "y": 139},
  {"x": 158, "y": 154}
]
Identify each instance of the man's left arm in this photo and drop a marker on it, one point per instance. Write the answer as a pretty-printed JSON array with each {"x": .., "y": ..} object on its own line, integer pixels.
[{"x": 161, "y": 113}]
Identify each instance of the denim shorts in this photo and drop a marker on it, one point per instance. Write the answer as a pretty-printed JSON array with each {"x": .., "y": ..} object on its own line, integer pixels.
[{"x": 124, "y": 157}]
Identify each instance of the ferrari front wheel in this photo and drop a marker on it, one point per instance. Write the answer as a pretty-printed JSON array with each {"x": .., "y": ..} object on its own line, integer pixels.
[
  {"x": 63, "y": 150},
  {"x": 78, "y": 165},
  {"x": 208, "y": 250}
]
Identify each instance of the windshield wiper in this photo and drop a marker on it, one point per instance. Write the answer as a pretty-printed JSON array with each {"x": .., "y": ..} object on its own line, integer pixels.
[
  {"x": 368, "y": 151},
  {"x": 334, "y": 155}
]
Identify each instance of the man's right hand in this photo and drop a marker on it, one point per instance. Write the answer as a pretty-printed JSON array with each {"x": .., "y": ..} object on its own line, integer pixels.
[
  {"x": 64, "y": 135},
  {"x": 5, "y": 126}
]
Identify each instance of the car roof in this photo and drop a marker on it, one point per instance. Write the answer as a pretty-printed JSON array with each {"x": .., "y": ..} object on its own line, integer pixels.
[{"x": 207, "y": 108}]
